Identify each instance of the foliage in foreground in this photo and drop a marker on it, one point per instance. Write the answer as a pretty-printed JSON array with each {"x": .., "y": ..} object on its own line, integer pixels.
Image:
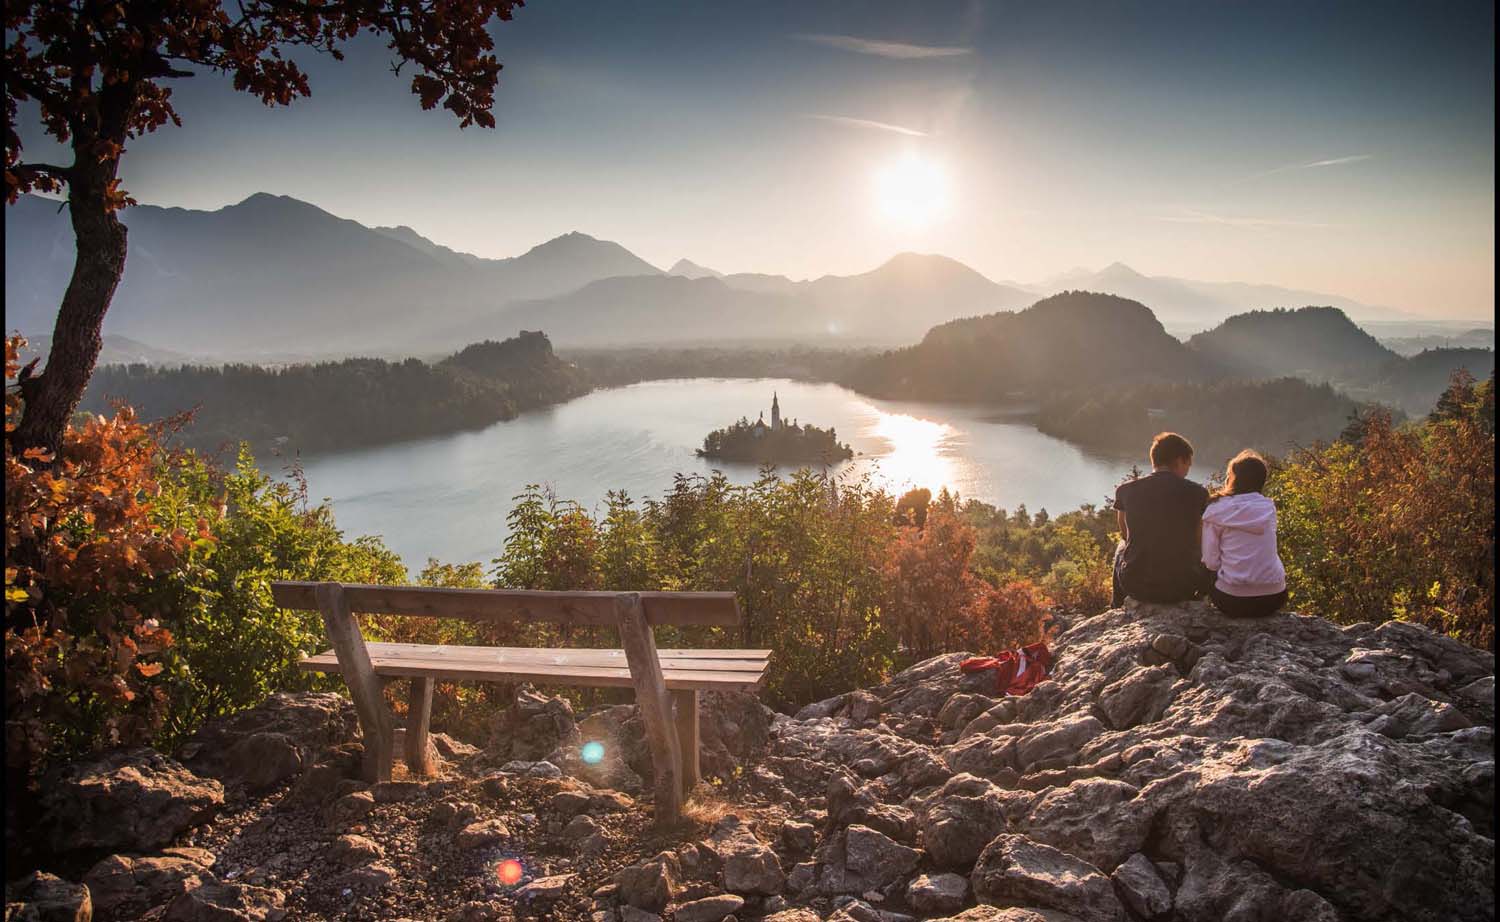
[{"x": 1398, "y": 522}]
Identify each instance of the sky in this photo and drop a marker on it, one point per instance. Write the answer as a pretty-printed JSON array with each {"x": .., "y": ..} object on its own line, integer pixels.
[{"x": 1338, "y": 147}]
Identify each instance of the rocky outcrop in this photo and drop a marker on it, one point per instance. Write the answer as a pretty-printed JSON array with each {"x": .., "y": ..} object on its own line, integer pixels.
[
  {"x": 133, "y": 800},
  {"x": 1178, "y": 764},
  {"x": 271, "y": 743},
  {"x": 43, "y": 897}
]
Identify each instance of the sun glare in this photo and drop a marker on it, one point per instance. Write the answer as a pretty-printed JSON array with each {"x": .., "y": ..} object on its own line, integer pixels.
[{"x": 911, "y": 192}]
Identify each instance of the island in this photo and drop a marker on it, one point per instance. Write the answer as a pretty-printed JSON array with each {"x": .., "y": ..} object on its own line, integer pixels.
[{"x": 779, "y": 442}]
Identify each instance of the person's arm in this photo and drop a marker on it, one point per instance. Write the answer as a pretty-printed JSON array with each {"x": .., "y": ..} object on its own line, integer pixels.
[
  {"x": 1120, "y": 521},
  {"x": 1208, "y": 540}
]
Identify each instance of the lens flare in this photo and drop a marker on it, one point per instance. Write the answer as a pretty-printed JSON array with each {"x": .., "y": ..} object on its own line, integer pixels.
[
  {"x": 592, "y": 752},
  {"x": 509, "y": 872}
]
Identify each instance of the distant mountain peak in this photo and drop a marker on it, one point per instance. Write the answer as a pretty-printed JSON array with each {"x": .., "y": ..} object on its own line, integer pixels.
[
  {"x": 689, "y": 269},
  {"x": 1118, "y": 269}
]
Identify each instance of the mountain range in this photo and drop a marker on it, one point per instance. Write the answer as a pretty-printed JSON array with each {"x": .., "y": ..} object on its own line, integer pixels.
[{"x": 273, "y": 275}]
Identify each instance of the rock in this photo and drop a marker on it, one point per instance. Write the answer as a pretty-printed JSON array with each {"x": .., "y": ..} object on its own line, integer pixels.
[
  {"x": 481, "y": 833},
  {"x": 1014, "y": 870},
  {"x": 395, "y": 792},
  {"x": 121, "y": 885},
  {"x": 961, "y": 818},
  {"x": 264, "y": 745},
  {"x": 1056, "y": 741},
  {"x": 43, "y": 897},
  {"x": 651, "y": 884},
  {"x": 937, "y": 892},
  {"x": 708, "y": 909},
  {"x": 1480, "y": 690},
  {"x": 366, "y": 880},
  {"x": 222, "y": 901},
  {"x": 1141, "y": 887},
  {"x": 350, "y": 809},
  {"x": 542, "y": 769},
  {"x": 568, "y": 803},
  {"x": 861, "y": 706},
  {"x": 454, "y": 750},
  {"x": 545, "y": 889},
  {"x": 750, "y": 866},
  {"x": 632, "y": 914},
  {"x": 1009, "y": 914},
  {"x": 351, "y": 851},
  {"x": 199, "y": 856},
  {"x": 1140, "y": 697},
  {"x": 799, "y": 837},
  {"x": 580, "y": 827},
  {"x": 876, "y": 859},
  {"x": 480, "y": 911},
  {"x": 1097, "y": 819},
  {"x": 128, "y": 801},
  {"x": 821, "y": 709},
  {"x": 793, "y": 915},
  {"x": 533, "y": 726}
]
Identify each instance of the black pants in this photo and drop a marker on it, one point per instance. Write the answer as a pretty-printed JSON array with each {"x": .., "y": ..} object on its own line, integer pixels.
[
  {"x": 1205, "y": 579},
  {"x": 1247, "y": 606}
]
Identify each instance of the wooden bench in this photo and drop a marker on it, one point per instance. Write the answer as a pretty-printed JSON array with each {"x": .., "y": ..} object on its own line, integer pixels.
[{"x": 666, "y": 682}]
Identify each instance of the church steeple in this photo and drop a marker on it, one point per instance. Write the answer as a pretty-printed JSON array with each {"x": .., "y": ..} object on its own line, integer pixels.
[{"x": 775, "y": 412}]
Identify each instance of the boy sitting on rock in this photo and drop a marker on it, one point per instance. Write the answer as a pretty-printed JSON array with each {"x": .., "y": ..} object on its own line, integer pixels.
[{"x": 1161, "y": 524}]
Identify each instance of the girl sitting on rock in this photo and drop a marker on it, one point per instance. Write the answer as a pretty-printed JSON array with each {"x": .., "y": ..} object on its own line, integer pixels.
[{"x": 1239, "y": 542}]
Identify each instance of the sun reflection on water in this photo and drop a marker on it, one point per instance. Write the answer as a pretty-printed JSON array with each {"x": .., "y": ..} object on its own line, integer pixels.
[{"x": 918, "y": 455}]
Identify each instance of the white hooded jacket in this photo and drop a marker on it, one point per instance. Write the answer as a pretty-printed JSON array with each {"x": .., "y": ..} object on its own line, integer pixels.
[{"x": 1239, "y": 541}]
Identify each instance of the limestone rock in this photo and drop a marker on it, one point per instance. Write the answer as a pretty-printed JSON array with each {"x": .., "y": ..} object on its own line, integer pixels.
[
  {"x": 1014, "y": 870},
  {"x": 875, "y": 858},
  {"x": 128, "y": 801},
  {"x": 545, "y": 889},
  {"x": 1141, "y": 887},
  {"x": 273, "y": 741},
  {"x": 481, "y": 833},
  {"x": 651, "y": 884},
  {"x": 222, "y": 901},
  {"x": 750, "y": 866},
  {"x": 533, "y": 726},
  {"x": 937, "y": 892},
  {"x": 351, "y": 851},
  {"x": 43, "y": 897},
  {"x": 121, "y": 885},
  {"x": 708, "y": 909}
]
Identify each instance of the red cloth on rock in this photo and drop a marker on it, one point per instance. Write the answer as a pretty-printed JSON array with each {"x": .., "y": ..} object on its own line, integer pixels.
[{"x": 1016, "y": 671}]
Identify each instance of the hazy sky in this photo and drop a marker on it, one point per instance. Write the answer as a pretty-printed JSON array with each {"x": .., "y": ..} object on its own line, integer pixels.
[{"x": 1343, "y": 147}]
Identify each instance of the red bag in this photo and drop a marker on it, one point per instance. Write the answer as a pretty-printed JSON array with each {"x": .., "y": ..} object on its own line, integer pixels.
[{"x": 1016, "y": 671}]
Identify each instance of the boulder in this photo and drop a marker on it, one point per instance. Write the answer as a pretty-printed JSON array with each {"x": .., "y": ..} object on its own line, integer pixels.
[
  {"x": 929, "y": 893},
  {"x": 545, "y": 889},
  {"x": 273, "y": 741},
  {"x": 708, "y": 909},
  {"x": 134, "y": 800},
  {"x": 1016, "y": 871},
  {"x": 352, "y": 851},
  {"x": 43, "y": 897},
  {"x": 533, "y": 726},
  {"x": 1140, "y": 886},
  {"x": 875, "y": 859},
  {"x": 750, "y": 866},
  {"x": 962, "y": 817},
  {"x": 121, "y": 885},
  {"x": 480, "y": 834},
  {"x": 223, "y": 901},
  {"x": 650, "y": 884}
]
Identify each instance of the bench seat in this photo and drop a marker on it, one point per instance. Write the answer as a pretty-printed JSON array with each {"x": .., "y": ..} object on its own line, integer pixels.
[{"x": 700, "y": 670}]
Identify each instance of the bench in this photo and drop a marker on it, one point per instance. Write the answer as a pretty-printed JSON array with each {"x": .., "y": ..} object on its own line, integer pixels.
[{"x": 666, "y": 682}]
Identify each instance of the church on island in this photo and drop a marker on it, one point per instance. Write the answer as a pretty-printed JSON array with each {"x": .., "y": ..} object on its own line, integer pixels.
[{"x": 776, "y": 443}]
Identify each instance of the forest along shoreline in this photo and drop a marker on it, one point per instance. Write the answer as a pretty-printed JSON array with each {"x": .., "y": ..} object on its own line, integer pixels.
[{"x": 1308, "y": 370}]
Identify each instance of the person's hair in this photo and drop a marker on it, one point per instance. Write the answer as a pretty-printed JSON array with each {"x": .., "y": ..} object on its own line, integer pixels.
[
  {"x": 1247, "y": 473},
  {"x": 1168, "y": 448}
]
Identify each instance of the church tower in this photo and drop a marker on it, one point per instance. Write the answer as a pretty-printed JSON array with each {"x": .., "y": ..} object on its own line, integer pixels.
[{"x": 775, "y": 412}]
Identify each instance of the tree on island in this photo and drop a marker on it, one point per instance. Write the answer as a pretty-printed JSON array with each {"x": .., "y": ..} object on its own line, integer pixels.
[
  {"x": 98, "y": 74},
  {"x": 779, "y": 441}
]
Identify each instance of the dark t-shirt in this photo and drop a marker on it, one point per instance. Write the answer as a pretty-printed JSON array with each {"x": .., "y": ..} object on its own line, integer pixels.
[{"x": 1162, "y": 560}]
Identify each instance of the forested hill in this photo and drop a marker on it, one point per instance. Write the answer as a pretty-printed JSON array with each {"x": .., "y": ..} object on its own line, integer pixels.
[
  {"x": 1313, "y": 343},
  {"x": 1072, "y": 340},
  {"x": 347, "y": 404}
]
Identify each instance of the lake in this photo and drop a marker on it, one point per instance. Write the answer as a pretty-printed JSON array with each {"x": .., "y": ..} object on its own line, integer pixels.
[{"x": 448, "y": 497}]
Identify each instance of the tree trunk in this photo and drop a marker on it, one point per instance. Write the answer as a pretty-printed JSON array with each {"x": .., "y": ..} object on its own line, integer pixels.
[{"x": 52, "y": 396}]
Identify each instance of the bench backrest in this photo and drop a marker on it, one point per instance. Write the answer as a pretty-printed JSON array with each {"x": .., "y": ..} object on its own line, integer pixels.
[{"x": 590, "y": 608}]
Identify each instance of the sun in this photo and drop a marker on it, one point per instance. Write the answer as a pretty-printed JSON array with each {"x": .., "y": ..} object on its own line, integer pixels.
[{"x": 911, "y": 192}]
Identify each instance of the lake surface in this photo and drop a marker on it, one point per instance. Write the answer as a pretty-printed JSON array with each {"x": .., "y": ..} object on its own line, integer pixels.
[{"x": 448, "y": 497}]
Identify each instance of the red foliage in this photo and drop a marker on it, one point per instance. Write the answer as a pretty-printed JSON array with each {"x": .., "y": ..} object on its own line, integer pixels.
[{"x": 80, "y": 549}]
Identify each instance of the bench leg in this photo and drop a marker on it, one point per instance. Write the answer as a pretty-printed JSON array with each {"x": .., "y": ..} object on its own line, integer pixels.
[
  {"x": 418, "y": 723},
  {"x": 685, "y": 715},
  {"x": 364, "y": 686},
  {"x": 656, "y": 707}
]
